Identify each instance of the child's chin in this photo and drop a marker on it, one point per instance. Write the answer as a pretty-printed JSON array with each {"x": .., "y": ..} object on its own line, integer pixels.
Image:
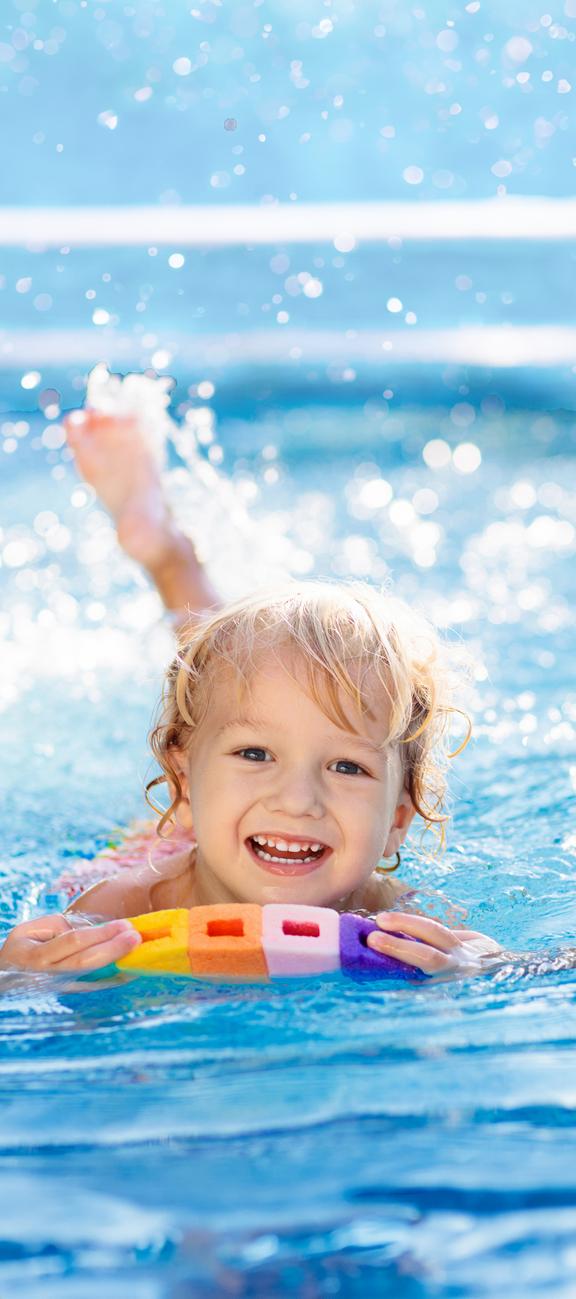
[{"x": 294, "y": 891}]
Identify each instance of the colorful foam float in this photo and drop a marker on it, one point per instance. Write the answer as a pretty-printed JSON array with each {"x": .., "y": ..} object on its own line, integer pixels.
[{"x": 248, "y": 942}]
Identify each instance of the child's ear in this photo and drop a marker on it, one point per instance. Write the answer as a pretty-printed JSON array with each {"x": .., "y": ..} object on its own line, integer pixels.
[
  {"x": 403, "y": 816},
  {"x": 179, "y": 763}
]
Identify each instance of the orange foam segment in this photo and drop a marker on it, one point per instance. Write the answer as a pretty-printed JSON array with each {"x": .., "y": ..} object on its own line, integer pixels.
[
  {"x": 164, "y": 946},
  {"x": 225, "y": 941}
]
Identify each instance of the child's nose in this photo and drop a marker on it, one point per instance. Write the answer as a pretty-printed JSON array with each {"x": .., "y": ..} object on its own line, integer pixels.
[{"x": 297, "y": 793}]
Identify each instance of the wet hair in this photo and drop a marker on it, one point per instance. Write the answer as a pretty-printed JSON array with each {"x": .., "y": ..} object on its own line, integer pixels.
[{"x": 350, "y": 640}]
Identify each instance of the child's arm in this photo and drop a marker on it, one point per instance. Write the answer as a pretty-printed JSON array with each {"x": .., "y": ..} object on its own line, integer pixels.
[
  {"x": 55, "y": 945},
  {"x": 94, "y": 931},
  {"x": 115, "y": 899},
  {"x": 378, "y": 893},
  {"x": 135, "y": 891}
]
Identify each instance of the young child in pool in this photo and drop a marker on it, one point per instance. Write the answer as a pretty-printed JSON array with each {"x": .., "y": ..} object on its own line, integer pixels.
[{"x": 301, "y": 732}]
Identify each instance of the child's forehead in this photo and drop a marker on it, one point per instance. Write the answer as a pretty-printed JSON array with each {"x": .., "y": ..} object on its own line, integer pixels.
[{"x": 273, "y": 678}]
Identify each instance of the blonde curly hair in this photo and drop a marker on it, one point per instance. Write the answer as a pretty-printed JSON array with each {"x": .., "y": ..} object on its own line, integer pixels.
[{"x": 347, "y": 637}]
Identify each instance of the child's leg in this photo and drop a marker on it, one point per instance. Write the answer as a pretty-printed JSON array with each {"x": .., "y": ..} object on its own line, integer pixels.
[{"x": 114, "y": 458}]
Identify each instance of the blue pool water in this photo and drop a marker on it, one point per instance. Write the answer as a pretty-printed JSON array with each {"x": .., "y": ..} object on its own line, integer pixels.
[
  {"x": 142, "y": 103},
  {"x": 168, "y": 1140}
]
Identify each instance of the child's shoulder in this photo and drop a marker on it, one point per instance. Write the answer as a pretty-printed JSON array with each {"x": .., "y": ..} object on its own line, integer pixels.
[
  {"x": 378, "y": 894},
  {"x": 138, "y": 889}
]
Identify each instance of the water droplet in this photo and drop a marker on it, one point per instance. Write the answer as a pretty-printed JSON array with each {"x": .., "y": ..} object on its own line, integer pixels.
[
  {"x": 220, "y": 180},
  {"x": 467, "y": 458},
  {"x": 413, "y": 175},
  {"x": 518, "y": 48},
  {"x": 313, "y": 288},
  {"x": 447, "y": 41},
  {"x": 344, "y": 243},
  {"x": 31, "y": 379},
  {"x": 161, "y": 359},
  {"x": 437, "y": 454},
  {"x": 107, "y": 118},
  {"x": 501, "y": 168}
]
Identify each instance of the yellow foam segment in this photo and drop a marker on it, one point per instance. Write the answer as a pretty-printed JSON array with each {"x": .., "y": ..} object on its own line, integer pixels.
[
  {"x": 226, "y": 941},
  {"x": 164, "y": 946}
]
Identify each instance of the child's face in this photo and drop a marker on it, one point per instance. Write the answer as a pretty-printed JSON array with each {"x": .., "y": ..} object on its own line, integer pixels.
[{"x": 278, "y": 768}]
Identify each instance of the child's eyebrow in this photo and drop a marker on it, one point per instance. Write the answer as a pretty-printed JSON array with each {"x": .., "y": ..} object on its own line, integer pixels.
[
  {"x": 363, "y": 743},
  {"x": 256, "y": 722}
]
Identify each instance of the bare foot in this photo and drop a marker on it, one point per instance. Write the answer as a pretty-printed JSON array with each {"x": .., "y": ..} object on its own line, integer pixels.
[{"x": 114, "y": 458}]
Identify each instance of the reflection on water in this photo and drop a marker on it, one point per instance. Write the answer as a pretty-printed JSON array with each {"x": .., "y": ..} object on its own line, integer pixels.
[{"x": 175, "y": 1139}]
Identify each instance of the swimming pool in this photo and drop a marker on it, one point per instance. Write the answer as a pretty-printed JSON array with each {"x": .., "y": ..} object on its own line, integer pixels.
[{"x": 169, "y": 1140}]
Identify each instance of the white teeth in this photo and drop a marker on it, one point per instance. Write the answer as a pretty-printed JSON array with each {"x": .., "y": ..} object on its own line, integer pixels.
[
  {"x": 281, "y": 861},
  {"x": 283, "y": 846}
]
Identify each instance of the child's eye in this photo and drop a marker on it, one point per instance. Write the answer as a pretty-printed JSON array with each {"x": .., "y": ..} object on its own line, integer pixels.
[
  {"x": 252, "y": 750},
  {"x": 343, "y": 762}
]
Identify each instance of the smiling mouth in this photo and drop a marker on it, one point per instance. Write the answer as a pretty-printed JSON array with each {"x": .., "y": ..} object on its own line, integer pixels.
[{"x": 280, "y": 862}]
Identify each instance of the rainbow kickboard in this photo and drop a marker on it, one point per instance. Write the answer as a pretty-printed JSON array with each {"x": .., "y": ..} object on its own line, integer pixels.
[{"x": 248, "y": 942}]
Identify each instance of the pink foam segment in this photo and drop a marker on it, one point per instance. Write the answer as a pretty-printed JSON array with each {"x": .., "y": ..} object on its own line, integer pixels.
[{"x": 300, "y": 940}]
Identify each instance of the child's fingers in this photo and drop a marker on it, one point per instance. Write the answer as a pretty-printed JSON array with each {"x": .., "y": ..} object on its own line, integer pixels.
[
  {"x": 71, "y": 948},
  {"x": 479, "y": 943},
  {"x": 427, "y": 959},
  {"x": 428, "y": 931},
  {"x": 99, "y": 955},
  {"x": 466, "y": 934},
  {"x": 43, "y": 928}
]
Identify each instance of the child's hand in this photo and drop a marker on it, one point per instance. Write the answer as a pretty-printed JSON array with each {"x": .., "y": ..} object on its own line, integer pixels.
[
  {"x": 440, "y": 950},
  {"x": 55, "y": 944}
]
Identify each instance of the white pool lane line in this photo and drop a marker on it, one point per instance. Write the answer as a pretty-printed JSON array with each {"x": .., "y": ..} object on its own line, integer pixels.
[
  {"x": 508, "y": 217},
  {"x": 498, "y": 347}
]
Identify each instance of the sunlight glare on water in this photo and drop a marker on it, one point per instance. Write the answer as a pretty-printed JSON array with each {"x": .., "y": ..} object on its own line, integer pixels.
[
  {"x": 348, "y": 230},
  {"x": 182, "y": 1101}
]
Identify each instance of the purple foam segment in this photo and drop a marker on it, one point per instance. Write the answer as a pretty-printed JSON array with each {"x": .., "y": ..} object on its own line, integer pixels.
[{"x": 361, "y": 962}]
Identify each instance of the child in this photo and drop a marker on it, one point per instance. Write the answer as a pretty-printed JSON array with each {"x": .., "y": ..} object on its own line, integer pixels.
[{"x": 301, "y": 731}]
